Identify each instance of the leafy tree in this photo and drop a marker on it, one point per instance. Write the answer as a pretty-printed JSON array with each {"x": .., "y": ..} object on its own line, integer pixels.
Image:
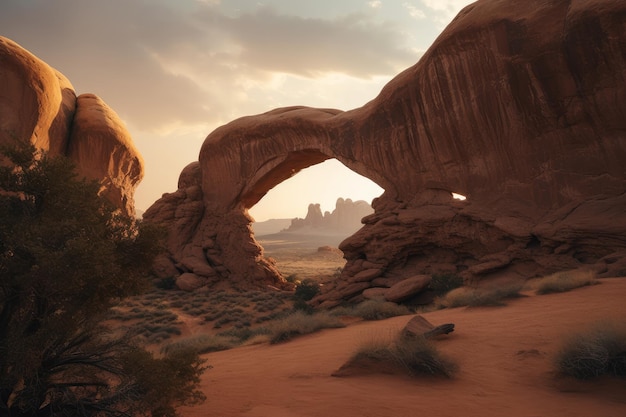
[{"x": 66, "y": 255}]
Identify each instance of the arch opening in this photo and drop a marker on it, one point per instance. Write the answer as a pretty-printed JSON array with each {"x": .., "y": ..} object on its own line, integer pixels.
[{"x": 301, "y": 221}]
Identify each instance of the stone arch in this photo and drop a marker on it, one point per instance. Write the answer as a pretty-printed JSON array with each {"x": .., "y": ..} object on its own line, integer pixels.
[
  {"x": 481, "y": 115},
  {"x": 248, "y": 157}
]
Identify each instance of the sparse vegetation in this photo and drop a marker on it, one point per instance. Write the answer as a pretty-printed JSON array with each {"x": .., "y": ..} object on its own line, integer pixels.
[
  {"x": 373, "y": 310},
  {"x": 300, "y": 323},
  {"x": 475, "y": 297},
  {"x": 201, "y": 343},
  {"x": 564, "y": 281},
  {"x": 600, "y": 350},
  {"x": 413, "y": 355}
]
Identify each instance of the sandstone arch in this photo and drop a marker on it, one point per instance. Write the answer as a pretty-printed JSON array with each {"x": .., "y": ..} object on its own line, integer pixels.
[
  {"x": 518, "y": 105},
  {"x": 254, "y": 154}
]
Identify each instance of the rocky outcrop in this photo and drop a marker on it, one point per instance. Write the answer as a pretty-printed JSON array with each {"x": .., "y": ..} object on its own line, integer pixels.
[
  {"x": 519, "y": 106},
  {"x": 38, "y": 104},
  {"x": 345, "y": 218}
]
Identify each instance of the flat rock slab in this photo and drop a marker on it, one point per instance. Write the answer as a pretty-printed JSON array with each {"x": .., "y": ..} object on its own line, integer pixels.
[
  {"x": 419, "y": 326},
  {"x": 407, "y": 288}
]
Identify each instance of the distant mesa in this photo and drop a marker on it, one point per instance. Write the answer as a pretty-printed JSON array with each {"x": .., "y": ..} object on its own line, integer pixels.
[{"x": 344, "y": 219}]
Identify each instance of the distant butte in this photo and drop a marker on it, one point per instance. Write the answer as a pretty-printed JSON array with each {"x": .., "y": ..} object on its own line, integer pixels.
[{"x": 345, "y": 218}]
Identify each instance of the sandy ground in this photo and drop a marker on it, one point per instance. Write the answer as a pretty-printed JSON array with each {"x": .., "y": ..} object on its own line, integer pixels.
[
  {"x": 299, "y": 254},
  {"x": 504, "y": 354}
]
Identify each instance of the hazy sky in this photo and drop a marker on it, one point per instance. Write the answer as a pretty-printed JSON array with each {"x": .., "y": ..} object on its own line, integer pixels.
[{"x": 174, "y": 70}]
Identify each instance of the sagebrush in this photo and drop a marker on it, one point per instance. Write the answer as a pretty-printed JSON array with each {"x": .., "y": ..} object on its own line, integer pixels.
[{"x": 599, "y": 350}]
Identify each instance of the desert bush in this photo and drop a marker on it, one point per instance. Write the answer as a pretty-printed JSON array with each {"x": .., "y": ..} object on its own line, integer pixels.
[
  {"x": 564, "y": 281},
  {"x": 600, "y": 350},
  {"x": 373, "y": 310},
  {"x": 445, "y": 282},
  {"x": 55, "y": 357},
  {"x": 415, "y": 355},
  {"x": 475, "y": 297},
  {"x": 304, "y": 292},
  {"x": 300, "y": 323}
]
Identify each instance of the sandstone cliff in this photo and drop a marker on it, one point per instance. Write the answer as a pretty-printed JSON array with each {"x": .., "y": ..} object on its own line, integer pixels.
[
  {"x": 518, "y": 105},
  {"x": 38, "y": 104}
]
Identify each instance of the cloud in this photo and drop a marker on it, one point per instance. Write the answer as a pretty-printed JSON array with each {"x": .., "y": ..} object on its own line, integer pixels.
[
  {"x": 351, "y": 44},
  {"x": 448, "y": 8},
  {"x": 163, "y": 63},
  {"x": 414, "y": 12},
  {"x": 375, "y": 4}
]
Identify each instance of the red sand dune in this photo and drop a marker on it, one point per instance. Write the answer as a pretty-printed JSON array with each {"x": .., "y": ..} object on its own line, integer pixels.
[{"x": 504, "y": 354}]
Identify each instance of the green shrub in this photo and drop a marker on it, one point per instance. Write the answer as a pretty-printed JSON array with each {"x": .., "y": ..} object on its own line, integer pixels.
[
  {"x": 307, "y": 289},
  {"x": 475, "y": 297},
  {"x": 445, "y": 282},
  {"x": 304, "y": 292},
  {"x": 598, "y": 351},
  {"x": 300, "y": 323},
  {"x": 414, "y": 355},
  {"x": 564, "y": 281}
]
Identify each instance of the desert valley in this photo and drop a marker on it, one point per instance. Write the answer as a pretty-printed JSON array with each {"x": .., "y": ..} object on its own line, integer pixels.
[{"x": 508, "y": 301}]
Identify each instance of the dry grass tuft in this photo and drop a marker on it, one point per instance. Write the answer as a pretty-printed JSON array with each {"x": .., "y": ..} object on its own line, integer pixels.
[
  {"x": 600, "y": 350},
  {"x": 300, "y": 323},
  {"x": 476, "y": 297},
  {"x": 564, "y": 281},
  {"x": 414, "y": 356}
]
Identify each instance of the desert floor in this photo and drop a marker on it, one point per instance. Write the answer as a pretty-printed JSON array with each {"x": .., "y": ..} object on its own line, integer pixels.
[
  {"x": 504, "y": 356},
  {"x": 305, "y": 255}
]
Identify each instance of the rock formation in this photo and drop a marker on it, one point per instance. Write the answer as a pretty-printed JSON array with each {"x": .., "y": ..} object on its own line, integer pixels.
[
  {"x": 38, "y": 104},
  {"x": 518, "y": 105},
  {"x": 345, "y": 218}
]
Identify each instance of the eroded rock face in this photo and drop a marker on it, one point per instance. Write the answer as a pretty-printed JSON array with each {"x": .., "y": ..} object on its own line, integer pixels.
[
  {"x": 518, "y": 105},
  {"x": 38, "y": 104}
]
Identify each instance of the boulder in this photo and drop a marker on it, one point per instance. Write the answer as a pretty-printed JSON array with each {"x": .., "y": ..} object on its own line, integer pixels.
[
  {"x": 39, "y": 105},
  {"x": 189, "y": 282},
  {"x": 377, "y": 293},
  {"x": 407, "y": 288}
]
